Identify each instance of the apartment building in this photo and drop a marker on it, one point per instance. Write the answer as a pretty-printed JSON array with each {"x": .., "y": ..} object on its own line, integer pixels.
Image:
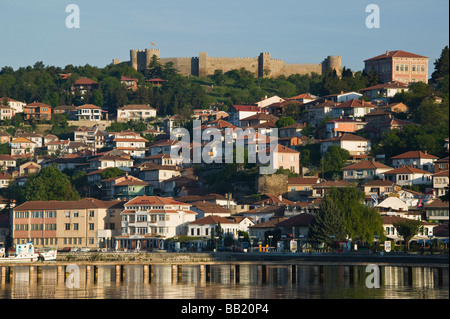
[{"x": 60, "y": 224}]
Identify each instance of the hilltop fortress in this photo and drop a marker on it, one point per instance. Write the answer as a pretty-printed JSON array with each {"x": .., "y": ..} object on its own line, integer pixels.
[{"x": 203, "y": 65}]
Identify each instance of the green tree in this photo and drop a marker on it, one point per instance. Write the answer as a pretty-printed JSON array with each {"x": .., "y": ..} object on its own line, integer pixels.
[
  {"x": 111, "y": 172},
  {"x": 285, "y": 121},
  {"x": 328, "y": 224},
  {"x": 50, "y": 184},
  {"x": 334, "y": 160},
  {"x": 408, "y": 228},
  {"x": 441, "y": 65}
]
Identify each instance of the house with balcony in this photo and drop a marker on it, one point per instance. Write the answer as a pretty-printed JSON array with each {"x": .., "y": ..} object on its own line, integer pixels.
[
  {"x": 148, "y": 220},
  {"x": 22, "y": 147},
  {"x": 83, "y": 85},
  {"x": 37, "y": 111},
  {"x": 340, "y": 126},
  {"x": 88, "y": 112},
  {"x": 7, "y": 162},
  {"x": 131, "y": 143},
  {"x": 321, "y": 111},
  {"x": 92, "y": 137},
  {"x": 107, "y": 160},
  {"x": 135, "y": 112},
  {"x": 14, "y": 104}
]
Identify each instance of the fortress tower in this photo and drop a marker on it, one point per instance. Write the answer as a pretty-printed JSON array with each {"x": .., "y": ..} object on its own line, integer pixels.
[{"x": 333, "y": 62}]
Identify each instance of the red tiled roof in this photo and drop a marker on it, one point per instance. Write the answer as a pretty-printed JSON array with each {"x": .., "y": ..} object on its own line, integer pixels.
[
  {"x": 355, "y": 103},
  {"x": 88, "y": 106},
  {"x": 396, "y": 54},
  {"x": 85, "y": 81},
  {"x": 415, "y": 154},
  {"x": 406, "y": 170},
  {"x": 366, "y": 165},
  {"x": 154, "y": 200},
  {"x": 388, "y": 85}
]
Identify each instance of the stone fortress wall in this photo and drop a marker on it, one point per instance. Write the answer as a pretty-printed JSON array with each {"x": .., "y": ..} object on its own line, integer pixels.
[{"x": 261, "y": 66}]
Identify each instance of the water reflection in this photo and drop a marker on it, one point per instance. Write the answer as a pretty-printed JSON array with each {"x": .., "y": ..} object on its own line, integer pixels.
[{"x": 243, "y": 281}]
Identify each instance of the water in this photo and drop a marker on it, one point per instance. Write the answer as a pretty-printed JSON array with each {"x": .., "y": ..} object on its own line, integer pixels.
[{"x": 250, "y": 281}]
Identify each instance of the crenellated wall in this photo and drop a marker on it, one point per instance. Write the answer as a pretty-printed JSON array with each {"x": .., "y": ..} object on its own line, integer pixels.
[{"x": 261, "y": 66}]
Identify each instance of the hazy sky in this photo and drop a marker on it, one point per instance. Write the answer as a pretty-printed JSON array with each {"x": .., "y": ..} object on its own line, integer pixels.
[{"x": 292, "y": 30}]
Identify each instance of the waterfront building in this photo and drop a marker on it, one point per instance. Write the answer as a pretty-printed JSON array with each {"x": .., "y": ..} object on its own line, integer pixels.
[
  {"x": 60, "y": 224},
  {"x": 148, "y": 220}
]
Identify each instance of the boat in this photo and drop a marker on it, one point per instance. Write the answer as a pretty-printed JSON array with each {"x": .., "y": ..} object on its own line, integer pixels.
[{"x": 27, "y": 253}]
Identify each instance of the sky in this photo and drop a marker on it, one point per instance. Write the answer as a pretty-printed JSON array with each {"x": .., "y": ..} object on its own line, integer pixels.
[{"x": 295, "y": 31}]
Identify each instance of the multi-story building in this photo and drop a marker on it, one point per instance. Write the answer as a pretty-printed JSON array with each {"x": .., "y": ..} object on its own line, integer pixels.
[
  {"x": 388, "y": 89},
  {"x": 16, "y": 105},
  {"x": 231, "y": 226},
  {"x": 399, "y": 66},
  {"x": 83, "y": 85},
  {"x": 130, "y": 142},
  {"x": 135, "y": 112},
  {"x": 440, "y": 183},
  {"x": 6, "y": 112},
  {"x": 37, "y": 111},
  {"x": 60, "y": 224},
  {"x": 93, "y": 137},
  {"x": 408, "y": 175},
  {"x": 22, "y": 147},
  {"x": 148, "y": 220},
  {"x": 417, "y": 159},
  {"x": 88, "y": 112}
]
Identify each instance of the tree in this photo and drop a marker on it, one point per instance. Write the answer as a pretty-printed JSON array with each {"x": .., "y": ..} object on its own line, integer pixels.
[
  {"x": 441, "y": 65},
  {"x": 361, "y": 222},
  {"x": 408, "y": 228},
  {"x": 328, "y": 225},
  {"x": 335, "y": 159},
  {"x": 285, "y": 121},
  {"x": 50, "y": 184},
  {"x": 111, "y": 172}
]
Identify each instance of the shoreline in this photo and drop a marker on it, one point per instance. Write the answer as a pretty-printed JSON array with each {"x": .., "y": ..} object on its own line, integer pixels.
[{"x": 217, "y": 258}]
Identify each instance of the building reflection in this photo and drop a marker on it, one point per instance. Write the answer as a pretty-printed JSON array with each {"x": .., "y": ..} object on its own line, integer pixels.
[{"x": 226, "y": 281}]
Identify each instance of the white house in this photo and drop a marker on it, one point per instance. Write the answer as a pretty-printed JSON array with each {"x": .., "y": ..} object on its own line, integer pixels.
[
  {"x": 136, "y": 112},
  {"x": 236, "y": 113},
  {"x": 391, "y": 232},
  {"x": 353, "y": 109},
  {"x": 417, "y": 159},
  {"x": 14, "y": 104},
  {"x": 388, "y": 89},
  {"x": 88, "y": 112},
  {"x": 107, "y": 161},
  {"x": 408, "y": 175},
  {"x": 265, "y": 102},
  {"x": 364, "y": 170},
  {"x": 22, "y": 147},
  {"x": 356, "y": 145},
  {"x": 343, "y": 96},
  {"x": 146, "y": 220},
  {"x": 131, "y": 143},
  {"x": 203, "y": 227}
]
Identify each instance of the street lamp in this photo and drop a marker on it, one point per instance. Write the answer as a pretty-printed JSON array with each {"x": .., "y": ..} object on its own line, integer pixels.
[{"x": 270, "y": 240}]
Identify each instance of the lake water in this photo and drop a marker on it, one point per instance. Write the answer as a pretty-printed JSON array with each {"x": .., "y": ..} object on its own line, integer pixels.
[{"x": 248, "y": 281}]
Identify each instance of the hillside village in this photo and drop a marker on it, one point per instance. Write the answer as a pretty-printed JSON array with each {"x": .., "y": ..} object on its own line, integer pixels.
[{"x": 126, "y": 190}]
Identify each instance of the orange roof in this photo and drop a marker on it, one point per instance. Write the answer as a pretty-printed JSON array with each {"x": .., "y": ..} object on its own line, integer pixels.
[
  {"x": 84, "y": 81},
  {"x": 154, "y": 200},
  {"x": 22, "y": 140},
  {"x": 414, "y": 154},
  {"x": 406, "y": 170},
  {"x": 366, "y": 165},
  {"x": 396, "y": 54},
  {"x": 88, "y": 106}
]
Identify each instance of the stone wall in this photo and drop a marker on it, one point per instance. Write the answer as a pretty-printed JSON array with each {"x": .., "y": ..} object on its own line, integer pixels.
[
  {"x": 260, "y": 66},
  {"x": 273, "y": 184}
]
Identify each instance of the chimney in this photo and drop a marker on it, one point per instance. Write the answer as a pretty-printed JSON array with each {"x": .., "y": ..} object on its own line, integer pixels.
[{"x": 387, "y": 52}]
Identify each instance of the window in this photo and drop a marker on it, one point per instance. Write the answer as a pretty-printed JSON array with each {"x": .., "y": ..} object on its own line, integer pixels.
[
  {"x": 91, "y": 226},
  {"x": 67, "y": 213},
  {"x": 75, "y": 226},
  {"x": 91, "y": 213},
  {"x": 67, "y": 226},
  {"x": 406, "y": 67},
  {"x": 401, "y": 67},
  {"x": 422, "y": 68}
]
